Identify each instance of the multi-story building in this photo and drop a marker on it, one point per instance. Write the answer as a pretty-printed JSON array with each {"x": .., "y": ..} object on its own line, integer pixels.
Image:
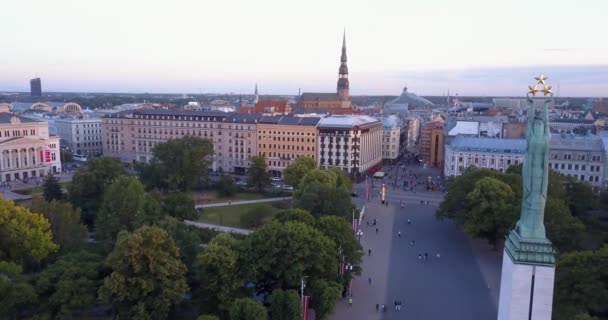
[
  {"x": 352, "y": 143},
  {"x": 131, "y": 135},
  {"x": 35, "y": 87},
  {"x": 81, "y": 135},
  {"x": 239, "y": 142},
  {"x": 413, "y": 133},
  {"x": 497, "y": 154},
  {"x": 431, "y": 144},
  {"x": 394, "y": 138},
  {"x": 26, "y": 148},
  {"x": 281, "y": 139},
  {"x": 581, "y": 157}
]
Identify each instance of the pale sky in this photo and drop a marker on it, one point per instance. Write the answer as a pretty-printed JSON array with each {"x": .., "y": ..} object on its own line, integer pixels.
[{"x": 471, "y": 47}]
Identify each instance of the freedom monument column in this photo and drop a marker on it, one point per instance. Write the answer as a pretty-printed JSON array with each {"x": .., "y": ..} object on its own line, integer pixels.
[{"x": 528, "y": 263}]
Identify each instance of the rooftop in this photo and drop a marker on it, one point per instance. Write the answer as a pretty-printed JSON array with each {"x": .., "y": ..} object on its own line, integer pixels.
[
  {"x": 347, "y": 121},
  {"x": 5, "y": 118},
  {"x": 290, "y": 120},
  {"x": 462, "y": 143},
  {"x": 321, "y": 96},
  {"x": 411, "y": 100},
  {"x": 588, "y": 142},
  {"x": 392, "y": 121}
]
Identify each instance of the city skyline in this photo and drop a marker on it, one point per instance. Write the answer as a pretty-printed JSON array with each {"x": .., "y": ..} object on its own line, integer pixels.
[{"x": 469, "y": 47}]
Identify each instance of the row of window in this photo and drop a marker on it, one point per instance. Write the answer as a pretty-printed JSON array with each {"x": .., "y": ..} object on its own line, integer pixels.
[
  {"x": 18, "y": 133},
  {"x": 574, "y": 167},
  {"x": 579, "y": 157}
]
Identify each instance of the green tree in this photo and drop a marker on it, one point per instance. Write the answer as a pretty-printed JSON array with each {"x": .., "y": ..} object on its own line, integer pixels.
[
  {"x": 16, "y": 294},
  {"x": 563, "y": 229},
  {"x": 580, "y": 197},
  {"x": 151, "y": 212},
  {"x": 326, "y": 294},
  {"x": 122, "y": 204},
  {"x": 217, "y": 274},
  {"x": 324, "y": 192},
  {"x": 226, "y": 186},
  {"x": 278, "y": 254},
  {"x": 179, "y": 205},
  {"x": 295, "y": 215},
  {"x": 52, "y": 188},
  {"x": 89, "y": 184},
  {"x": 491, "y": 213},
  {"x": 247, "y": 309},
  {"x": 70, "y": 284},
  {"x": 147, "y": 277},
  {"x": 65, "y": 156},
  {"x": 257, "y": 174},
  {"x": 341, "y": 233},
  {"x": 178, "y": 164},
  {"x": 285, "y": 305},
  {"x": 298, "y": 169},
  {"x": 257, "y": 215},
  {"x": 207, "y": 317},
  {"x": 580, "y": 284},
  {"x": 68, "y": 232},
  {"x": 24, "y": 236},
  {"x": 185, "y": 238}
]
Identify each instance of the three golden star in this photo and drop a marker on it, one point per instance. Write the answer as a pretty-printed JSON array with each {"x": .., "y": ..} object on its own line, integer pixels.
[
  {"x": 540, "y": 80},
  {"x": 533, "y": 90}
]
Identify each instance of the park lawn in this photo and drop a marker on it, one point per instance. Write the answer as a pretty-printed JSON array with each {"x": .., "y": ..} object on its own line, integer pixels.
[
  {"x": 39, "y": 189},
  {"x": 231, "y": 215},
  {"x": 213, "y": 197}
]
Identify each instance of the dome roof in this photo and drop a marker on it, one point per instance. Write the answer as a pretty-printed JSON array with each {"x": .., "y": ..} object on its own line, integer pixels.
[
  {"x": 411, "y": 100},
  {"x": 392, "y": 121}
]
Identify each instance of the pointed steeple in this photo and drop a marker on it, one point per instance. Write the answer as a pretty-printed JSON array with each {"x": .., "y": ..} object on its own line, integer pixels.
[
  {"x": 256, "y": 98},
  {"x": 343, "y": 72}
]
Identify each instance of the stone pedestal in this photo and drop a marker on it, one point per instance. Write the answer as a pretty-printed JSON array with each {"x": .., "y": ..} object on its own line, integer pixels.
[{"x": 528, "y": 273}]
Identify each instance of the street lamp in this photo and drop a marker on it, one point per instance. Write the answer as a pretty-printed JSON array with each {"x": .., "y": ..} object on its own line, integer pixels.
[
  {"x": 360, "y": 234},
  {"x": 302, "y": 286}
]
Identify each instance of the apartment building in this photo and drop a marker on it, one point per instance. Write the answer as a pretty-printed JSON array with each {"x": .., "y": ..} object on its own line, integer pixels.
[
  {"x": 352, "y": 143},
  {"x": 239, "y": 142},
  {"x": 281, "y": 139},
  {"x": 431, "y": 144},
  {"x": 81, "y": 135}
]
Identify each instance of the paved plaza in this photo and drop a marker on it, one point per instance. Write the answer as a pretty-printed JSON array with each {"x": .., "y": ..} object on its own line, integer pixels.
[{"x": 462, "y": 283}]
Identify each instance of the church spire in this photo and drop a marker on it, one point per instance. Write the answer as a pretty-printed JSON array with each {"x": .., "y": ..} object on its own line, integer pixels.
[
  {"x": 255, "y": 97},
  {"x": 343, "y": 73}
]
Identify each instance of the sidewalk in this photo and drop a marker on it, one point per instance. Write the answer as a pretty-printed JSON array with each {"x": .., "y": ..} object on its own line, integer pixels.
[
  {"x": 236, "y": 203},
  {"x": 376, "y": 266},
  {"x": 215, "y": 227}
]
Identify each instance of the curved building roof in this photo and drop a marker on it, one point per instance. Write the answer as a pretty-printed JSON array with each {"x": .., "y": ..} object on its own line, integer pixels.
[
  {"x": 408, "y": 101},
  {"x": 392, "y": 121}
]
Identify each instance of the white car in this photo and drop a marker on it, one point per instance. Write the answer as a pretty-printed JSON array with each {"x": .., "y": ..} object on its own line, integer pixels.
[
  {"x": 276, "y": 179},
  {"x": 287, "y": 188},
  {"x": 79, "y": 157}
]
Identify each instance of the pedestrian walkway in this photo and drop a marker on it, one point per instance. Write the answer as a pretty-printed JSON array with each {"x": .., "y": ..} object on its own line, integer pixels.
[
  {"x": 236, "y": 203},
  {"x": 218, "y": 228}
]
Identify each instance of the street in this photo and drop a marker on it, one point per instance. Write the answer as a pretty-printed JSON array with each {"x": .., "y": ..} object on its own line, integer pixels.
[{"x": 460, "y": 283}]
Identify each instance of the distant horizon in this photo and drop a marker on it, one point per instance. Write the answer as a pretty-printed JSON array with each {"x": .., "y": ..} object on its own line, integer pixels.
[{"x": 469, "y": 47}]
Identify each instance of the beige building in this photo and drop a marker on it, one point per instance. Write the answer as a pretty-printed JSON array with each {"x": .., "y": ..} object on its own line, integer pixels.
[
  {"x": 131, "y": 135},
  {"x": 352, "y": 143},
  {"x": 26, "y": 148},
  {"x": 394, "y": 138},
  {"x": 239, "y": 142},
  {"x": 81, "y": 135},
  {"x": 281, "y": 139}
]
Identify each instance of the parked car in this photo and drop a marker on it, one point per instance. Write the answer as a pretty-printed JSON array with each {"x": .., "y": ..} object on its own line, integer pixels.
[
  {"x": 79, "y": 157},
  {"x": 241, "y": 183},
  {"x": 276, "y": 179},
  {"x": 287, "y": 188}
]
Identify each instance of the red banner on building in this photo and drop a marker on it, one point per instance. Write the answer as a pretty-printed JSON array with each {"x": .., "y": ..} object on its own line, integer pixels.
[
  {"x": 305, "y": 303},
  {"x": 47, "y": 155}
]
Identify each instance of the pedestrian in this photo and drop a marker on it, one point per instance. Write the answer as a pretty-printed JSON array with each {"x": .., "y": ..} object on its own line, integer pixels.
[
  {"x": 368, "y": 223},
  {"x": 419, "y": 256},
  {"x": 369, "y": 252},
  {"x": 399, "y": 304},
  {"x": 369, "y": 280},
  {"x": 377, "y": 306},
  {"x": 376, "y": 230},
  {"x": 350, "y": 302},
  {"x": 383, "y": 308},
  {"x": 386, "y": 203},
  {"x": 412, "y": 243},
  {"x": 426, "y": 256},
  {"x": 409, "y": 221},
  {"x": 395, "y": 304},
  {"x": 399, "y": 234},
  {"x": 374, "y": 221},
  {"x": 229, "y": 202},
  {"x": 438, "y": 255}
]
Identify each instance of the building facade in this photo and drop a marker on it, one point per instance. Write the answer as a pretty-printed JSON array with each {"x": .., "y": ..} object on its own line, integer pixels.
[
  {"x": 351, "y": 143},
  {"x": 36, "y": 87},
  {"x": 131, "y": 135},
  {"x": 394, "y": 138},
  {"x": 239, "y": 142},
  {"x": 340, "y": 99},
  {"x": 281, "y": 139},
  {"x": 81, "y": 135},
  {"x": 580, "y": 157},
  {"x": 26, "y": 149},
  {"x": 431, "y": 145}
]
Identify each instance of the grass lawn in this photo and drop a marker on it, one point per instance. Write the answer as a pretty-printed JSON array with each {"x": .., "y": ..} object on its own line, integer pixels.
[
  {"x": 213, "y": 197},
  {"x": 231, "y": 215},
  {"x": 39, "y": 189}
]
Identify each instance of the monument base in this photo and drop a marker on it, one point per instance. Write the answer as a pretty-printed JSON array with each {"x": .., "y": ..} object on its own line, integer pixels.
[{"x": 526, "y": 290}]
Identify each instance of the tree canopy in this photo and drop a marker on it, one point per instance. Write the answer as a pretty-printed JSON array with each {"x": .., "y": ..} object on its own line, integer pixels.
[
  {"x": 68, "y": 232},
  {"x": 177, "y": 164},
  {"x": 24, "y": 236},
  {"x": 147, "y": 277},
  {"x": 324, "y": 192},
  {"x": 89, "y": 184},
  {"x": 296, "y": 170},
  {"x": 247, "y": 309},
  {"x": 52, "y": 189},
  {"x": 16, "y": 294},
  {"x": 285, "y": 305},
  {"x": 257, "y": 174}
]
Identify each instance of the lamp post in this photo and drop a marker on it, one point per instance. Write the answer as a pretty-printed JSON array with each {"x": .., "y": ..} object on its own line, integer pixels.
[{"x": 302, "y": 286}]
